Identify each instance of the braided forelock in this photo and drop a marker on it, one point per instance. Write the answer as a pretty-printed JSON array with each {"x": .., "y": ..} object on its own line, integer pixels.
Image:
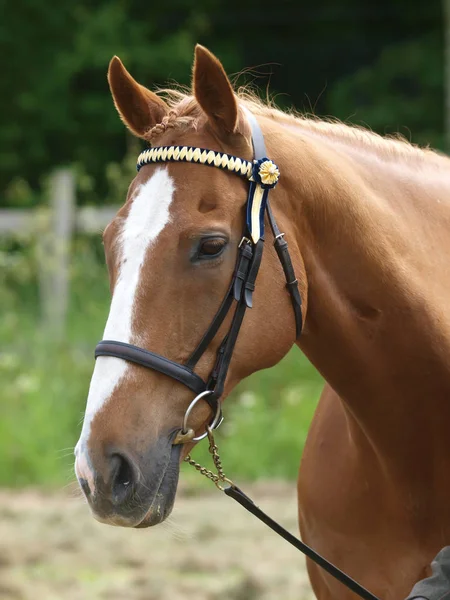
[
  {"x": 184, "y": 112},
  {"x": 167, "y": 123}
]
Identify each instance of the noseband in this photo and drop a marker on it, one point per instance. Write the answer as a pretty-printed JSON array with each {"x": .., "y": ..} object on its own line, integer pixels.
[{"x": 262, "y": 175}]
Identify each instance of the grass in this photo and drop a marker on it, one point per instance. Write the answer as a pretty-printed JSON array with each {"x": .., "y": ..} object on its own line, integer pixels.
[{"x": 44, "y": 387}]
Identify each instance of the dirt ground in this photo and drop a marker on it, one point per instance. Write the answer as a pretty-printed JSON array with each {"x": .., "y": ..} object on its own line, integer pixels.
[{"x": 210, "y": 549}]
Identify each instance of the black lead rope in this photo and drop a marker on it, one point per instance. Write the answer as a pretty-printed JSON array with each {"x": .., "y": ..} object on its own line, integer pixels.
[
  {"x": 227, "y": 486},
  {"x": 238, "y": 495}
]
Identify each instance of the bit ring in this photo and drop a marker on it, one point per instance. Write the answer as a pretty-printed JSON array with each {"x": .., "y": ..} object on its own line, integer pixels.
[{"x": 214, "y": 423}]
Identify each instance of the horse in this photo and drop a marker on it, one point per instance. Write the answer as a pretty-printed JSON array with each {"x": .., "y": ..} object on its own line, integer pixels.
[{"x": 368, "y": 221}]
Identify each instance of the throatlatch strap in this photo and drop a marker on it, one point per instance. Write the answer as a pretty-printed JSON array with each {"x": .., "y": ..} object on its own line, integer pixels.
[
  {"x": 281, "y": 247},
  {"x": 238, "y": 495}
]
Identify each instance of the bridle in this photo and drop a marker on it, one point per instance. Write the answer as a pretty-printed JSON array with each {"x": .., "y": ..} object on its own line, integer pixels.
[{"x": 262, "y": 175}]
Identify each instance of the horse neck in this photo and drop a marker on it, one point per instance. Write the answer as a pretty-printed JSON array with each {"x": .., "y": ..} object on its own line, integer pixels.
[{"x": 376, "y": 327}]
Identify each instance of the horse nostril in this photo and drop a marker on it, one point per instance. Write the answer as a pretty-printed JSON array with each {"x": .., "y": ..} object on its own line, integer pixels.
[{"x": 122, "y": 478}]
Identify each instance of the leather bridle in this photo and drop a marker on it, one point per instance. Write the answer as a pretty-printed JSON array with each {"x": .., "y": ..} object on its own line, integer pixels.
[{"x": 262, "y": 175}]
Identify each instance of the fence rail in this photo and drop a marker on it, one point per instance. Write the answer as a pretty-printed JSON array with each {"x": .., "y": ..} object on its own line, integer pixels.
[
  {"x": 55, "y": 225},
  {"x": 87, "y": 219}
]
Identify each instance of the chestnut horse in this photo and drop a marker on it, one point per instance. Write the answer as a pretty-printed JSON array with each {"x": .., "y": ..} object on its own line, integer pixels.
[{"x": 368, "y": 222}]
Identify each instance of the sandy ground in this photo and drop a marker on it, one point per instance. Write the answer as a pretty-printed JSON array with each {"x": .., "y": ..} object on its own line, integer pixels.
[{"x": 210, "y": 549}]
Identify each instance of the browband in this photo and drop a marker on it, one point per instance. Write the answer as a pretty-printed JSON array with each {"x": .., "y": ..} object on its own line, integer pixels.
[{"x": 192, "y": 154}]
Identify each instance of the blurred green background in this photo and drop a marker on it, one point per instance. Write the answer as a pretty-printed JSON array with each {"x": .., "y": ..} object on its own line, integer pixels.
[{"x": 376, "y": 63}]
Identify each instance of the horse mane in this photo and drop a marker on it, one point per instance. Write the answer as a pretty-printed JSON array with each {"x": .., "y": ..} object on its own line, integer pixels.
[{"x": 185, "y": 111}]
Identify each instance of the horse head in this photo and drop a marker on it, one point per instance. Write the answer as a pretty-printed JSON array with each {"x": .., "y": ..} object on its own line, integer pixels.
[{"x": 171, "y": 251}]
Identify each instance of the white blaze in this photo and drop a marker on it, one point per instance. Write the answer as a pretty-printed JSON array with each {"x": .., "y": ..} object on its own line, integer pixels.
[{"x": 148, "y": 215}]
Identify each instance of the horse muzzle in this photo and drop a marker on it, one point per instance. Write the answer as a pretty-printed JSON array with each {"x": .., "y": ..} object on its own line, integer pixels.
[{"x": 127, "y": 491}]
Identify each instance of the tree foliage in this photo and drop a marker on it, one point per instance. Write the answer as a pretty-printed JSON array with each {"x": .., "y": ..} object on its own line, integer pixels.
[
  {"x": 378, "y": 60},
  {"x": 402, "y": 92}
]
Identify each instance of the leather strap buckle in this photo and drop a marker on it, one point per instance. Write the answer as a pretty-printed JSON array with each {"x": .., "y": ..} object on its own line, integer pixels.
[{"x": 245, "y": 240}]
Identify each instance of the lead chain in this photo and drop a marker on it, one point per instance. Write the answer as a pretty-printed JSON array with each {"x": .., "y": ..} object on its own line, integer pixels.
[{"x": 219, "y": 477}]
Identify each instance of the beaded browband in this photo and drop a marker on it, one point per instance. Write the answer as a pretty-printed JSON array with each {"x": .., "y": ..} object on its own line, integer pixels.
[
  {"x": 263, "y": 175},
  {"x": 196, "y": 155}
]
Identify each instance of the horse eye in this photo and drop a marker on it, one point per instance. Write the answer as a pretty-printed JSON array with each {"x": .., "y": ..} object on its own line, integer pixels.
[{"x": 211, "y": 247}]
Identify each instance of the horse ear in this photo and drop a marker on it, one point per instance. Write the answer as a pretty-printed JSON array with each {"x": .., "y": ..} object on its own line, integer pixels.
[
  {"x": 213, "y": 91},
  {"x": 139, "y": 108}
]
